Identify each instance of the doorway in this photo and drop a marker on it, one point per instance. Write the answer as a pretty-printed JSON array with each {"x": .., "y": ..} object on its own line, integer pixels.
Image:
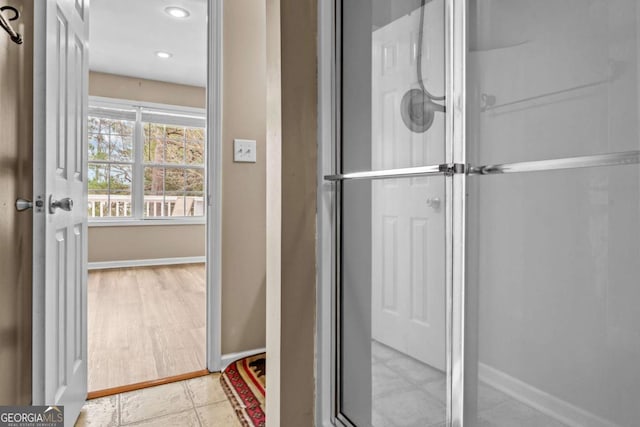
[
  {"x": 147, "y": 187},
  {"x": 519, "y": 121}
]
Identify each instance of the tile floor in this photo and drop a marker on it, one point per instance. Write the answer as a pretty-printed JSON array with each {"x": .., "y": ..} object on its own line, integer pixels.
[
  {"x": 199, "y": 402},
  {"x": 407, "y": 393}
]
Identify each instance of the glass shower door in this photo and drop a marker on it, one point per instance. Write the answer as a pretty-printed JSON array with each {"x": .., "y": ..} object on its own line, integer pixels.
[
  {"x": 553, "y": 232},
  {"x": 391, "y": 365}
]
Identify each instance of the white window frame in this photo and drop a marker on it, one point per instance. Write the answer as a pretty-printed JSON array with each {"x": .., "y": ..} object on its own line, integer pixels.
[{"x": 137, "y": 190}]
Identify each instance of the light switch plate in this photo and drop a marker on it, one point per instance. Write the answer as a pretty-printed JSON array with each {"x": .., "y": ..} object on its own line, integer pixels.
[{"x": 244, "y": 151}]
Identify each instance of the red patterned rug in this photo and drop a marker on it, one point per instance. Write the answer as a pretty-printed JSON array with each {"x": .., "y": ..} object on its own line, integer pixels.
[{"x": 244, "y": 382}]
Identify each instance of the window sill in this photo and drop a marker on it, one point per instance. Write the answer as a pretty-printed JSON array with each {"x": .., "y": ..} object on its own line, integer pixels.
[{"x": 146, "y": 222}]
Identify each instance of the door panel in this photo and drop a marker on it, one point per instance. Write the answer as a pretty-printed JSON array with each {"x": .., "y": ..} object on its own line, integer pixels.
[
  {"x": 391, "y": 325},
  {"x": 394, "y": 72},
  {"x": 389, "y": 308},
  {"x": 403, "y": 204},
  {"x": 552, "y": 79},
  {"x": 552, "y": 336},
  {"x": 557, "y": 325},
  {"x": 408, "y": 237},
  {"x": 60, "y": 369}
]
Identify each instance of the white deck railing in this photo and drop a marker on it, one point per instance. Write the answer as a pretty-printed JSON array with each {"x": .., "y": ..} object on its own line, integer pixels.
[{"x": 101, "y": 206}]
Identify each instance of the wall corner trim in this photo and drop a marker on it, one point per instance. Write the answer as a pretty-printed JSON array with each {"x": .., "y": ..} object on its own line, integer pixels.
[
  {"x": 229, "y": 358},
  {"x": 102, "y": 265}
]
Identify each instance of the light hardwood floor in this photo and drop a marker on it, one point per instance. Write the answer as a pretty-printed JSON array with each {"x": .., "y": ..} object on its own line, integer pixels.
[{"x": 145, "y": 324}]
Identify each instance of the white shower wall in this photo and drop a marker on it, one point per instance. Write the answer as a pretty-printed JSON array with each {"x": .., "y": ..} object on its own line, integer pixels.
[{"x": 554, "y": 271}]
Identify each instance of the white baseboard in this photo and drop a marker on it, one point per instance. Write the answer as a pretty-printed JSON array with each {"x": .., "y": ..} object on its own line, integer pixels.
[
  {"x": 544, "y": 402},
  {"x": 227, "y": 359},
  {"x": 145, "y": 262}
]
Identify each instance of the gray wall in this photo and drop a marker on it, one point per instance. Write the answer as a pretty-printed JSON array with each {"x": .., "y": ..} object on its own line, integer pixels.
[{"x": 554, "y": 259}]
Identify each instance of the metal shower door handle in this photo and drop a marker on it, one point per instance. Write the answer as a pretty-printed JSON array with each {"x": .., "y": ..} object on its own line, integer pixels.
[{"x": 65, "y": 204}]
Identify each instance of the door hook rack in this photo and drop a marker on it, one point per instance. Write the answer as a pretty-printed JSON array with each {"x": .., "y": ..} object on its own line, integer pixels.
[{"x": 4, "y": 23}]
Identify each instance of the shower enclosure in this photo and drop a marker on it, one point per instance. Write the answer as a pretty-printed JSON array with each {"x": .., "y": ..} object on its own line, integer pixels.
[{"x": 483, "y": 201}]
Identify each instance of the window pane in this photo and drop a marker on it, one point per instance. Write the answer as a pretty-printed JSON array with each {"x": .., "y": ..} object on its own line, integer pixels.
[
  {"x": 98, "y": 140},
  {"x": 195, "y": 147},
  {"x": 110, "y": 139},
  {"x": 194, "y": 180},
  {"x": 121, "y": 148},
  {"x": 153, "y": 143},
  {"x": 98, "y": 184},
  {"x": 194, "y": 192},
  {"x": 175, "y": 203},
  {"x": 153, "y": 181},
  {"x": 120, "y": 190},
  {"x": 154, "y": 192},
  {"x": 174, "y": 145},
  {"x": 109, "y": 190},
  {"x": 98, "y": 179},
  {"x": 174, "y": 180},
  {"x": 195, "y": 134}
]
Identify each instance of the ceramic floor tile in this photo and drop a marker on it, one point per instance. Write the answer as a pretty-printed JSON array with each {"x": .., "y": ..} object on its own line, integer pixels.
[
  {"x": 206, "y": 390},
  {"x": 377, "y": 420},
  {"x": 410, "y": 408},
  {"x": 436, "y": 389},
  {"x": 513, "y": 413},
  {"x": 489, "y": 397},
  {"x": 219, "y": 414},
  {"x": 183, "y": 419},
  {"x": 414, "y": 371},
  {"x": 101, "y": 412},
  {"x": 382, "y": 352},
  {"x": 386, "y": 381},
  {"x": 154, "y": 402}
]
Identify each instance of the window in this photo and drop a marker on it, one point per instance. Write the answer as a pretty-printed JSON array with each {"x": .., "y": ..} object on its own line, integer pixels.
[{"x": 145, "y": 163}]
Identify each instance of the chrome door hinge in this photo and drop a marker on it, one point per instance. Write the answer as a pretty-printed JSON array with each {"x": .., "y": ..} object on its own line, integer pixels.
[{"x": 453, "y": 168}]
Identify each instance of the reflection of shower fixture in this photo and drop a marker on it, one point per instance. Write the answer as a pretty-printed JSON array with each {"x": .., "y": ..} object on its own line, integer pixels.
[
  {"x": 417, "y": 107},
  {"x": 418, "y": 110},
  {"x": 487, "y": 101}
]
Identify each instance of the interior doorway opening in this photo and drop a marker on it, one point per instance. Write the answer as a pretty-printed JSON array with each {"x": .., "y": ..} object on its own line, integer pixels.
[{"x": 147, "y": 194}]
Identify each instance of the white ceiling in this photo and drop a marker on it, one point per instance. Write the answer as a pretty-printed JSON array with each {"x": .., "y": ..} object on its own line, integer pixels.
[{"x": 125, "y": 34}]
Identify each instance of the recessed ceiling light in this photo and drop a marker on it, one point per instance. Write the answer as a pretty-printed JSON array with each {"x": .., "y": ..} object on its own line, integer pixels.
[
  {"x": 163, "y": 55},
  {"x": 177, "y": 12}
]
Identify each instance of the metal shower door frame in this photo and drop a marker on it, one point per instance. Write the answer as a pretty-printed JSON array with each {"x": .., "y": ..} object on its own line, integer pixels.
[{"x": 329, "y": 195}]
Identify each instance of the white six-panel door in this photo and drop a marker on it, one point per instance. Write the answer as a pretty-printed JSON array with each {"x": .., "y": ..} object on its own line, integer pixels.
[
  {"x": 408, "y": 225},
  {"x": 60, "y": 236}
]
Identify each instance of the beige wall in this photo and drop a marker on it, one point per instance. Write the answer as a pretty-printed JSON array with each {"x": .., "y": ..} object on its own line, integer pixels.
[
  {"x": 122, "y": 87},
  {"x": 299, "y": 186},
  {"x": 295, "y": 294},
  {"x": 145, "y": 242},
  {"x": 16, "y": 93},
  {"x": 243, "y": 193}
]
